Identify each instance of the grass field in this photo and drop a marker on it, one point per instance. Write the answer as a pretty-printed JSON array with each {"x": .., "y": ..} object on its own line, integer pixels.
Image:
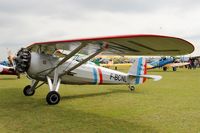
[{"x": 171, "y": 105}]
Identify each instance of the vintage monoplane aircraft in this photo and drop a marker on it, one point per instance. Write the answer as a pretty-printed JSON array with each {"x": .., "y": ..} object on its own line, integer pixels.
[
  {"x": 165, "y": 63},
  {"x": 40, "y": 62}
]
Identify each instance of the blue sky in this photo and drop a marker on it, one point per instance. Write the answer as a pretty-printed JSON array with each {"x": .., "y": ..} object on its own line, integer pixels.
[{"x": 23, "y": 22}]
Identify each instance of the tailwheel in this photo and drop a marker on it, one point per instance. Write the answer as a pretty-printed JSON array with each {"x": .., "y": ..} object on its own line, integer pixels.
[
  {"x": 53, "y": 98},
  {"x": 28, "y": 91},
  {"x": 131, "y": 87}
]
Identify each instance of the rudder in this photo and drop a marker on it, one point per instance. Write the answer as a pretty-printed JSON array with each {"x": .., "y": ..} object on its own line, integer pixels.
[{"x": 139, "y": 67}]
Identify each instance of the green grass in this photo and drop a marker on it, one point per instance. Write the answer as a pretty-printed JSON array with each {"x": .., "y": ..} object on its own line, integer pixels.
[{"x": 171, "y": 105}]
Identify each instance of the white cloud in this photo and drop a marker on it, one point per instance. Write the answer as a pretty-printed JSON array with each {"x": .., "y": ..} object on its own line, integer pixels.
[{"x": 23, "y": 22}]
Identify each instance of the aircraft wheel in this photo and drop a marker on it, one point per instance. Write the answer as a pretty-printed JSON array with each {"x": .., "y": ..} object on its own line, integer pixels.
[
  {"x": 174, "y": 68},
  {"x": 164, "y": 68},
  {"x": 132, "y": 88},
  {"x": 28, "y": 91},
  {"x": 53, "y": 98}
]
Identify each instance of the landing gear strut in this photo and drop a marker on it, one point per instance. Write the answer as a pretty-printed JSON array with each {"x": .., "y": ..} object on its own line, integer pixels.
[{"x": 53, "y": 97}]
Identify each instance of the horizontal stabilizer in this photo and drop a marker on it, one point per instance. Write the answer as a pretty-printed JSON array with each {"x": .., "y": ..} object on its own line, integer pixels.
[
  {"x": 177, "y": 64},
  {"x": 154, "y": 77}
]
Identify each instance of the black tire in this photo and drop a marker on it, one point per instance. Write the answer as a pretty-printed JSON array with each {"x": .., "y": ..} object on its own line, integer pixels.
[
  {"x": 174, "y": 68},
  {"x": 164, "y": 68},
  {"x": 132, "y": 88},
  {"x": 28, "y": 91},
  {"x": 53, "y": 98}
]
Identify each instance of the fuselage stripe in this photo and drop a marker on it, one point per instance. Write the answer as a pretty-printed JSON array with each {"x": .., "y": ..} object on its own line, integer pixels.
[
  {"x": 100, "y": 76},
  {"x": 139, "y": 70},
  {"x": 95, "y": 76}
]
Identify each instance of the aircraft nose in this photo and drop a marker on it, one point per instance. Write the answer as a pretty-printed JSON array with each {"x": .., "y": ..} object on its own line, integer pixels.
[{"x": 22, "y": 61}]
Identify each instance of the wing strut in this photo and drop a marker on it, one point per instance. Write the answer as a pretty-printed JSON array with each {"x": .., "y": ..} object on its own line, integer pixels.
[
  {"x": 85, "y": 60},
  {"x": 68, "y": 57}
]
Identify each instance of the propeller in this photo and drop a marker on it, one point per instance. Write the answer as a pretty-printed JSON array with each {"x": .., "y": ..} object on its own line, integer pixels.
[
  {"x": 22, "y": 61},
  {"x": 11, "y": 57}
]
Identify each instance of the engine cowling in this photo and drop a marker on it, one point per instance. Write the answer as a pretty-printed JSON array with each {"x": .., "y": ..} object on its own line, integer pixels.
[{"x": 22, "y": 61}]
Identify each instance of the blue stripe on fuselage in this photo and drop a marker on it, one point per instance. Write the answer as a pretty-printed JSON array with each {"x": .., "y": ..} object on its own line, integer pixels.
[
  {"x": 94, "y": 75},
  {"x": 139, "y": 67}
]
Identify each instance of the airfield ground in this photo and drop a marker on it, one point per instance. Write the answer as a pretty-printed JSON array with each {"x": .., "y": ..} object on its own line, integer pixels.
[{"x": 169, "y": 105}]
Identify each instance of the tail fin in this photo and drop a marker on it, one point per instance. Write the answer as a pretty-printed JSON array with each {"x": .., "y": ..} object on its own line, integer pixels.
[
  {"x": 138, "y": 71},
  {"x": 139, "y": 67}
]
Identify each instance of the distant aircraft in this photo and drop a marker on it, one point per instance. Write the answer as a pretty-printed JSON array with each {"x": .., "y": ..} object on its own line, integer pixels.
[
  {"x": 7, "y": 68},
  {"x": 41, "y": 64},
  {"x": 165, "y": 63}
]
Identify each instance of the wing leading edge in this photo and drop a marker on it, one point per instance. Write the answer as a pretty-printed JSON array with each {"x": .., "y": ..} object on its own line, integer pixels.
[{"x": 121, "y": 45}]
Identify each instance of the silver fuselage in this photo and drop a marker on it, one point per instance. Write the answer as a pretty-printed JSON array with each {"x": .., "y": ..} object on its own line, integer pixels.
[{"x": 87, "y": 73}]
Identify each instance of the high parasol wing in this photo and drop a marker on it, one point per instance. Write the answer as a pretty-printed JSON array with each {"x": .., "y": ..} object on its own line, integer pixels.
[{"x": 121, "y": 45}]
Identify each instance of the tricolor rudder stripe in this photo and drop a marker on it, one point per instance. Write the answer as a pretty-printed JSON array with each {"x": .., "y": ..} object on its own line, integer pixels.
[
  {"x": 139, "y": 62},
  {"x": 141, "y": 70},
  {"x": 145, "y": 71}
]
